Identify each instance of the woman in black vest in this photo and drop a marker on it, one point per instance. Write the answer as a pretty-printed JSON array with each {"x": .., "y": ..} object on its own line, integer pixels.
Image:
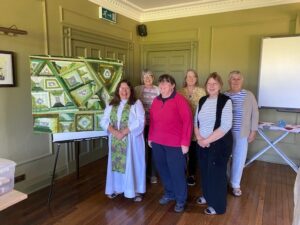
[{"x": 213, "y": 122}]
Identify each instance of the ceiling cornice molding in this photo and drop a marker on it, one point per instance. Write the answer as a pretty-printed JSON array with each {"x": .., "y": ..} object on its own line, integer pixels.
[{"x": 184, "y": 10}]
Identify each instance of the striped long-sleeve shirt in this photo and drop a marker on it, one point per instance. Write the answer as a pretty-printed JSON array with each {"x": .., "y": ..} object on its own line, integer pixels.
[
  {"x": 237, "y": 105},
  {"x": 207, "y": 117}
]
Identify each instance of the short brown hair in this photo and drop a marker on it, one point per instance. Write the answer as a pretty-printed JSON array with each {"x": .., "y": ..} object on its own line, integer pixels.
[{"x": 215, "y": 76}]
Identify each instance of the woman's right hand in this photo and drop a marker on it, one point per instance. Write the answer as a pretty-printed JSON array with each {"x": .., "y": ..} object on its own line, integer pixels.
[
  {"x": 199, "y": 140},
  {"x": 117, "y": 134},
  {"x": 203, "y": 143},
  {"x": 184, "y": 149},
  {"x": 150, "y": 144}
]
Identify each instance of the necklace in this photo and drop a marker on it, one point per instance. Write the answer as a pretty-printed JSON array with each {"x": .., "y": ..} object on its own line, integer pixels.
[{"x": 190, "y": 92}]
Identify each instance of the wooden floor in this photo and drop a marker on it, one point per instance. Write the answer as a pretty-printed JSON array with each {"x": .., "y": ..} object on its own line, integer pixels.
[{"x": 267, "y": 200}]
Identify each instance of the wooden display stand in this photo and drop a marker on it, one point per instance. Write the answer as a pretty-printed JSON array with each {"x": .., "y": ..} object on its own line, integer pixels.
[{"x": 11, "y": 198}]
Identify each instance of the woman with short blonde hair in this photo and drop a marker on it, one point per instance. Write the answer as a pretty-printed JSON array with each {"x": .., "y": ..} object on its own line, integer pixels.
[
  {"x": 245, "y": 125},
  {"x": 146, "y": 93}
]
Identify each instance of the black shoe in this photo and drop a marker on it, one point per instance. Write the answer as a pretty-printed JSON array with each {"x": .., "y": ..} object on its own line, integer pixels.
[{"x": 191, "y": 181}]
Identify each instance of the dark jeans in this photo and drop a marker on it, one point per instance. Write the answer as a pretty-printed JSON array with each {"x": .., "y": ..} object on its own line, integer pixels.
[{"x": 171, "y": 165}]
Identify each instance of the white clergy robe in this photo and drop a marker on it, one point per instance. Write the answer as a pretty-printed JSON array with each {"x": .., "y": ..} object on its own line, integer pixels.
[{"x": 134, "y": 179}]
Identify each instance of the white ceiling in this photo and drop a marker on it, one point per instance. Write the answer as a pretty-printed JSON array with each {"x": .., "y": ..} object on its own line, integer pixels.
[
  {"x": 153, "y": 10},
  {"x": 150, "y": 4}
]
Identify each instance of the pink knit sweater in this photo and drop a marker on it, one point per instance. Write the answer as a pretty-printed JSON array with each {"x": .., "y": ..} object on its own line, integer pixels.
[{"x": 171, "y": 121}]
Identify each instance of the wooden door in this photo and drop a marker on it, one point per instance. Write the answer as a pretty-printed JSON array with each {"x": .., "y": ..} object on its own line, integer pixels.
[
  {"x": 171, "y": 58},
  {"x": 174, "y": 63}
]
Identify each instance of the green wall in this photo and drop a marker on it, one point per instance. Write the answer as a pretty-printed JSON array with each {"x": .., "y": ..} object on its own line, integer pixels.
[
  {"x": 43, "y": 20},
  {"x": 226, "y": 41},
  {"x": 230, "y": 41}
]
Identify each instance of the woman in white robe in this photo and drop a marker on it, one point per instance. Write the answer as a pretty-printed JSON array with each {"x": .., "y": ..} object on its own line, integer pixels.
[{"x": 132, "y": 180}]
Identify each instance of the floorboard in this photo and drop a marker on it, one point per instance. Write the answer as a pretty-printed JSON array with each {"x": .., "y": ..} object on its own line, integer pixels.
[{"x": 267, "y": 200}]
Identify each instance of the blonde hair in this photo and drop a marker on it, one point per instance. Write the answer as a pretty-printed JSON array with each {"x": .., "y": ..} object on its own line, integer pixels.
[
  {"x": 196, "y": 75},
  {"x": 235, "y": 72},
  {"x": 146, "y": 72}
]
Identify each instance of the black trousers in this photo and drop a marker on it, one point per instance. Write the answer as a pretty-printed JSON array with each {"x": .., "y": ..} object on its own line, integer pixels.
[
  {"x": 150, "y": 167},
  {"x": 213, "y": 167},
  {"x": 192, "y": 159}
]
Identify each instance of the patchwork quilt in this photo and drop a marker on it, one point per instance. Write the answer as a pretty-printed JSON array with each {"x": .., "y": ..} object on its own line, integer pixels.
[{"x": 70, "y": 94}]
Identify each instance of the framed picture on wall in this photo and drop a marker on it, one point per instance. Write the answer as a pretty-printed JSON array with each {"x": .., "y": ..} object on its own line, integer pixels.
[{"x": 7, "y": 69}]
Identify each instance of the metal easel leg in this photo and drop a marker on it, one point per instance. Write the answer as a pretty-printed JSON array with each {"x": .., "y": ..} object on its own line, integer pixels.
[
  {"x": 53, "y": 174},
  {"x": 77, "y": 153}
]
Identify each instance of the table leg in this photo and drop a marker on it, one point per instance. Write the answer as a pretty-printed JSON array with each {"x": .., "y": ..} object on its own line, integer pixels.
[
  {"x": 283, "y": 155},
  {"x": 271, "y": 144}
]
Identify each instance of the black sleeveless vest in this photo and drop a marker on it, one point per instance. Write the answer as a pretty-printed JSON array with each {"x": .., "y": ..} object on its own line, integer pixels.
[{"x": 222, "y": 99}]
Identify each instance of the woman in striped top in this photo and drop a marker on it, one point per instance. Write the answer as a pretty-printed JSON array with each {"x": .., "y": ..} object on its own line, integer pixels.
[
  {"x": 146, "y": 93},
  {"x": 212, "y": 126},
  {"x": 245, "y": 125}
]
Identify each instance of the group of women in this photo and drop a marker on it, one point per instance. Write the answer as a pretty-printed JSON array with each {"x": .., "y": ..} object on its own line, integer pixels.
[{"x": 206, "y": 124}]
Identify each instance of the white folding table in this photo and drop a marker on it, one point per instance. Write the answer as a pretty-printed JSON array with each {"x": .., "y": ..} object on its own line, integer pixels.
[{"x": 289, "y": 129}]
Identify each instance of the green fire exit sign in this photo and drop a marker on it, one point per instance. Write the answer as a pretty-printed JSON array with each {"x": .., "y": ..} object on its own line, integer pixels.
[{"x": 107, "y": 14}]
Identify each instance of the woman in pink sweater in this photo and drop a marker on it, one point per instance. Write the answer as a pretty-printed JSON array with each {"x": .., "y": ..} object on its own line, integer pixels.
[{"x": 170, "y": 136}]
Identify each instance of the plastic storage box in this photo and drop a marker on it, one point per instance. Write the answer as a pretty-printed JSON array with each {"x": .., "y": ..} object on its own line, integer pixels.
[{"x": 7, "y": 175}]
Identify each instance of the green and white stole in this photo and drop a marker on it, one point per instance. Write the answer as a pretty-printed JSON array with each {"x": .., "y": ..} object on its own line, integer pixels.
[{"x": 119, "y": 147}]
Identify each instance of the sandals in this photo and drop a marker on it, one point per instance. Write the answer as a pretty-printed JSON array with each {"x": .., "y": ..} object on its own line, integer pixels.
[
  {"x": 113, "y": 195},
  {"x": 237, "y": 192},
  {"x": 153, "y": 180},
  {"x": 138, "y": 198},
  {"x": 201, "y": 201},
  {"x": 210, "y": 211}
]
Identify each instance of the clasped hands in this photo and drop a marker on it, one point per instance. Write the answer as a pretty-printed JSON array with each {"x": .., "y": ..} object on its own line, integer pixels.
[
  {"x": 119, "y": 134},
  {"x": 203, "y": 142}
]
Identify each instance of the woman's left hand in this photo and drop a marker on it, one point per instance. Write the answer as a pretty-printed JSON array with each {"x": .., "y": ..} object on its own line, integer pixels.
[
  {"x": 125, "y": 131},
  {"x": 184, "y": 149},
  {"x": 203, "y": 143},
  {"x": 251, "y": 136}
]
